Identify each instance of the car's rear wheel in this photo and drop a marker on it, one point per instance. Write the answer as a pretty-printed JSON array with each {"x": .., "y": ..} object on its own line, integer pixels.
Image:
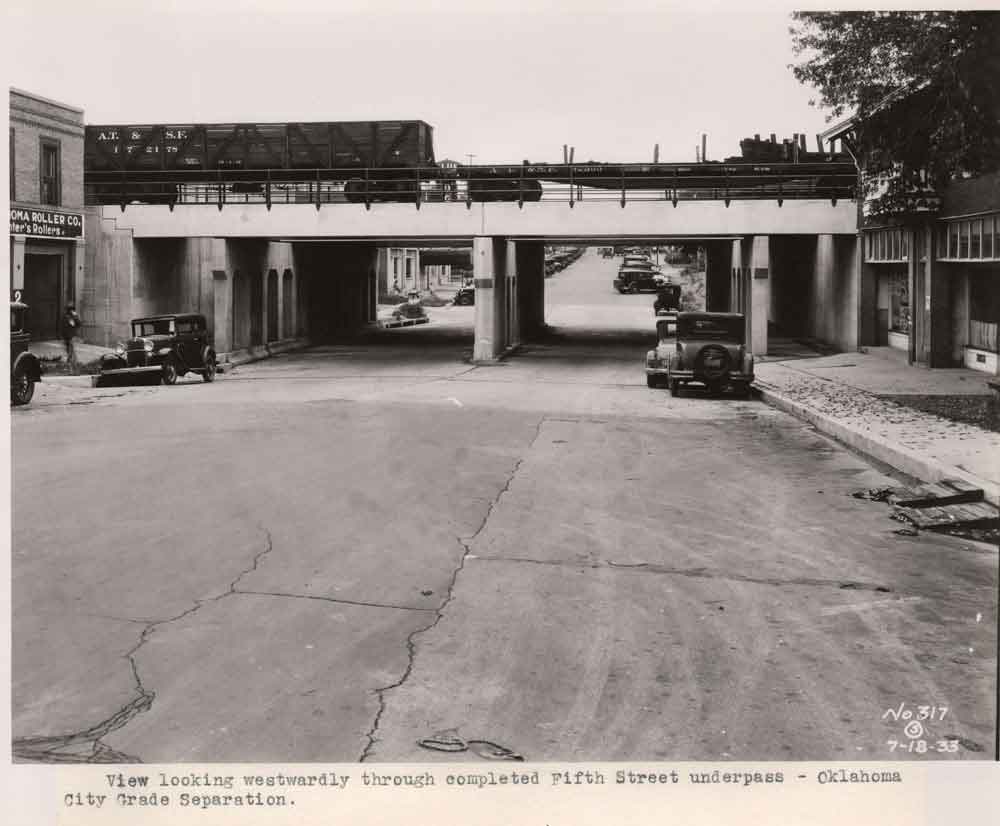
[
  {"x": 675, "y": 387},
  {"x": 169, "y": 374},
  {"x": 22, "y": 387},
  {"x": 652, "y": 381}
]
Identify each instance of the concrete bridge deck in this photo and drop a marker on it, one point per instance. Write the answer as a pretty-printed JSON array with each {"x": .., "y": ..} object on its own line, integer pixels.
[{"x": 587, "y": 220}]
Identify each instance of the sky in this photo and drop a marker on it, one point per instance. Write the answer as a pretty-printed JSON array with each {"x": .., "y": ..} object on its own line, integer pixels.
[{"x": 502, "y": 81}]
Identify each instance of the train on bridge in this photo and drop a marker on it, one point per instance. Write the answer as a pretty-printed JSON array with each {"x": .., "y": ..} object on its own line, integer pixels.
[{"x": 393, "y": 161}]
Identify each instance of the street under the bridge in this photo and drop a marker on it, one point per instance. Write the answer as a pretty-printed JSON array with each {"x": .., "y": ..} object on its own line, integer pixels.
[{"x": 337, "y": 553}]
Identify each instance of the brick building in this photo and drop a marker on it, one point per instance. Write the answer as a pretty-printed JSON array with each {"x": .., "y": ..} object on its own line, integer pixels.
[{"x": 47, "y": 255}]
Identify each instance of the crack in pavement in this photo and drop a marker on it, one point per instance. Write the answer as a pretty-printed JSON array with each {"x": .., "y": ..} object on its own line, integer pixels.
[
  {"x": 335, "y": 600},
  {"x": 411, "y": 646},
  {"x": 72, "y": 748},
  {"x": 698, "y": 573}
]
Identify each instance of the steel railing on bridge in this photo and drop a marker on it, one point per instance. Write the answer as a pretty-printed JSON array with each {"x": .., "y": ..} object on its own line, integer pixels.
[{"x": 525, "y": 183}]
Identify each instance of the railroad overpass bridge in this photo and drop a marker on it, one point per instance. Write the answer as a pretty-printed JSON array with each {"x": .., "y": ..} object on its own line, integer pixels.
[{"x": 269, "y": 261}]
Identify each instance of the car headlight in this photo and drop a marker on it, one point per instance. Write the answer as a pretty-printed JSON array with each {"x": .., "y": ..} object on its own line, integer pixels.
[
  {"x": 148, "y": 346},
  {"x": 120, "y": 349}
]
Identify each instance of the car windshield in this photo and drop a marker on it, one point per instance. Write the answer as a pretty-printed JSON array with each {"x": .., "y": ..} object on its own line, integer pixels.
[
  {"x": 728, "y": 329},
  {"x": 155, "y": 327}
]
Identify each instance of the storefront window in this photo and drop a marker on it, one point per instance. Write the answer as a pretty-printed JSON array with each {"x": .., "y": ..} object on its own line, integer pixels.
[
  {"x": 989, "y": 226},
  {"x": 984, "y": 310},
  {"x": 899, "y": 303},
  {"x": 952, "y": 240}
]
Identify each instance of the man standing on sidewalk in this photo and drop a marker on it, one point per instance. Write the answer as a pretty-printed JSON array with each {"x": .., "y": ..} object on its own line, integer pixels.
[{"x": 70, "y": 328}]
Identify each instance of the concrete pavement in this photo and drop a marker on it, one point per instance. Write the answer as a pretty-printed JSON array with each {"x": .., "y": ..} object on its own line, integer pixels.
[
  {"x": 333, "y": 554},
  {"x": 840, "y": 395}
]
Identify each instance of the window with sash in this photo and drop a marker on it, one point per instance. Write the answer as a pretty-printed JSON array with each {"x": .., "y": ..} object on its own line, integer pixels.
[
  {"x": 49, "y": 168},
  {"x": 970, "y": 239},
  {"x": 886, "y": 245}
]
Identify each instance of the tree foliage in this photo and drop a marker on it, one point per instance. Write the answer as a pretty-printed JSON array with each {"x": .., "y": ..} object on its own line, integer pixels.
[{"x": 925, "y": 85}]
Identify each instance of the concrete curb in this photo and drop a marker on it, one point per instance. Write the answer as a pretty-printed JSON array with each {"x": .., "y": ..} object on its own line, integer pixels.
[
  {"x": 260, "y": 352},
  {"x": 893, "y": 455},
  {"x": 83, "y": 380}
]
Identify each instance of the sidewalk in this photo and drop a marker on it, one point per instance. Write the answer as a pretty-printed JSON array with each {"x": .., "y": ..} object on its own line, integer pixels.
[
  {"x": 55, "y": 370},
  {"x": 839, "y": 394}
]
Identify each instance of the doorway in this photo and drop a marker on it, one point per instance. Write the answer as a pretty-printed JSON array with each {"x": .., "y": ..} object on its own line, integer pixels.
[{"x": 43, "y": 293}]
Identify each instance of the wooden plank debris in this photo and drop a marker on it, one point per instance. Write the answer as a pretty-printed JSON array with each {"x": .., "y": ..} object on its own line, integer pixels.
[{"x": 945, "y": 492}]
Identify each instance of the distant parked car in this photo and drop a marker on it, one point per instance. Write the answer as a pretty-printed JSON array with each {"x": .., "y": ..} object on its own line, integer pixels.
[
  {"x": 668, "y": 300},
  {"x": 710, "y": 348},
  {"x": 637, "y": 279},
  {"x": 164, "y": 347},
  {"x": 465, "y": 296},
  {"x": 25, "y": 369}
]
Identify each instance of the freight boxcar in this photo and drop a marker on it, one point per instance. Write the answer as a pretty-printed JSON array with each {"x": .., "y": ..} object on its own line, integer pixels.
[{"x": 149, "y": 162}]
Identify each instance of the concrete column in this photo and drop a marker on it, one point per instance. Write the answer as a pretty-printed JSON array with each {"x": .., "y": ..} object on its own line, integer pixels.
[
  {"x": 489, "y": 269},
  {"x": 736, "y": 267},
  {"x": 915, "y": 292},
  {"x": 281, "y": 305},
  {"x": 222, "y": 326},
  {"x": 939, "y": 294},
  {"x": 76, "y": 275},
  {"x": 848, "y": 286},
  {"x": 17, "y": 263},
  {"x": 759, "y": 299},
  {"x": 513, "y": 316},
  {"x": 279, "y": 259},
  {"x": 867, "y": 302},
  {"x": 293, "y": 310},
  {"x": 530, "y": 267}
]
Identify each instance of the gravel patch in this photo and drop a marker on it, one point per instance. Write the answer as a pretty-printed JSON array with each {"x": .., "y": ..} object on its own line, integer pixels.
[{"x": 981, "y": 411}]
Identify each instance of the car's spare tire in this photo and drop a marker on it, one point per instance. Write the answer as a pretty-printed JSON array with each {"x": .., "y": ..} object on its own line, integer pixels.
[{"x": 712, "y": 362}]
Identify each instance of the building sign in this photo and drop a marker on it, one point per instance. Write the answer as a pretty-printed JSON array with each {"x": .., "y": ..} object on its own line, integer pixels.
[{"x": 45, "y": 223}]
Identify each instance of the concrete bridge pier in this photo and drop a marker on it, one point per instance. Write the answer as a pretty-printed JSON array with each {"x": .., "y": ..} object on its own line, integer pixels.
[
  {"x": 489, "y": 272},
  {"x": 511, "y": 311},
  {"x": 750, "y": 288}
]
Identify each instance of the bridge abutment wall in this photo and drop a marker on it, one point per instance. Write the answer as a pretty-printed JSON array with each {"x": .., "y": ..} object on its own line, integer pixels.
[{"x": 247, "y": 288}]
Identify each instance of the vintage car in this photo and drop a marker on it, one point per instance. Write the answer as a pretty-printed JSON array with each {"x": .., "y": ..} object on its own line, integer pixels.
[
  {"x": 637, "y": 260},
  {"x": 411, "y": 309},
  {"x": 668, "y": 300},
  {"x": 637, "y": 279},
  {"x": 709, "y": 348},
  {"x": 465, "y": 296},
  {"x": 25, "y": 369},
  {"x": 162, "y": 347},
  {"x": 656, "y": 360}
]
